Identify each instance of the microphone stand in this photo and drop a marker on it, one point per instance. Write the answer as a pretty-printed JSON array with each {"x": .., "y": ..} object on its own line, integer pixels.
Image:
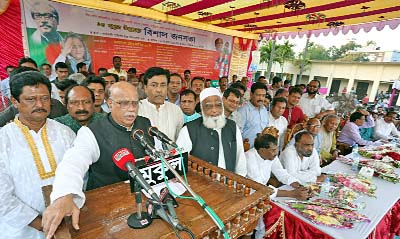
[
  {"x": 138, "y": 220},
  {"x": 202, "y": 203}
]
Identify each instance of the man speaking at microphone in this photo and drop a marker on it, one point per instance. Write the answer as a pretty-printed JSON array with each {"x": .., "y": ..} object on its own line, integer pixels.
[
  {"x": 214, "y": 138},
  {"x": 92, "y": 152}
]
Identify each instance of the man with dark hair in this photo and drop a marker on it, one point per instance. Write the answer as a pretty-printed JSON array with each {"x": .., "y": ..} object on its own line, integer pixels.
[
  {"x": 5, "y": 84},
  {"x": 253, "y": 114},
  {"x": 385, "y": 128},
  {"x": 56, "y": 107},
  {"x": 47, "y": 20},
  {"x": 241, "y": 88},
  {"x": 117, "y": 63},
  {"x": 234, "y": 79},
  {"x": 262, "y": 79},
  {"x": 223, "y": 83},
  {"x": 98, "y": 86},
  {"x": 61, "y": 71},
  {"x": 197, "y": 86},
  {"x": 82, "y": 68},
  {"x": 80, "y": 104},
  {"x": 109, "y": 79},
  {"x": 277, "y": 83},
  {"x": 188, "y": 105},
  {"x": 287, "y": 84},
  {"x": 8, "y": 69},
  {"x": 350, "y": 133},
  {"x": 131, "y": 76},
  {"x": 30, "y": 148},
  {"x": 212, "y": 137},
  {"x": 62, "y": 86},
  {"x": 46, "y": 70},
  {"x": 101, "y": 71},
  {"x": 313, "y": 104},
  {"x": 301, "y": 160},
  {"x": 262, "y": 160},
  {"x": 166, "y": 116},
  {"x": 267, "y": 101},
  {"x": 92, "y": 153},
  {"x": 281, "y": 93},
  {"x": 174, "y": 86},
  {"x": 293, "y": 112},
  {"x": 231, "y": 101},
  {"x": 276, "y": 119}
]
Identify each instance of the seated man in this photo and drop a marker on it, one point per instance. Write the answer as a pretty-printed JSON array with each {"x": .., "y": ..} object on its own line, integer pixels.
[
  {"x": 350, "y": 133},
  {"x": 30, "y": 149},
  {"x": 313, "y": 126},
  {"x": 188, "y": 105},
  {"x": 328, "y": 135},
  {"x": 385, "y": 128},
  {"x": 213, "y": 137},
  {"x": 277, "y": 120},
  {"x": 293, "y": 113},
  {"x": 231, "y": 101},
  {"x": 301, "y": 160},
  {"x": 262, "y": 160},
  {"x": 80, "y": 105}
]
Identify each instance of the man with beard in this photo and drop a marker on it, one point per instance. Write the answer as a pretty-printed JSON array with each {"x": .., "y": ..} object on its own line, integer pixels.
[
  {"x": 166, "y": 116},
  {"x": 30, "y": 148},
  {"x": 293, "y": 113},
  {"x": 98, "y": 86},
  {"x": 212, "y": 137},
  {"x": 301, "y": 160},
  {"x": 79, "y": 101},
  {"x": 92, "y": 152},
  {"x": 328, "y": 137},
  {"x": 313, "y": 104},
  {"x": 254, "y": 114}
]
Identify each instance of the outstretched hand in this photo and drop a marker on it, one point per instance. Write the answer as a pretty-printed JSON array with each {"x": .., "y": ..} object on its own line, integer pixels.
[
  {"x": 67, "y": 47},
  {"x": 55, "y": 213}
]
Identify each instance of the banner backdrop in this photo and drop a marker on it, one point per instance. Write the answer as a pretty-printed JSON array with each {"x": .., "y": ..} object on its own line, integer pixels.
[{"x": 59, "y": 32}]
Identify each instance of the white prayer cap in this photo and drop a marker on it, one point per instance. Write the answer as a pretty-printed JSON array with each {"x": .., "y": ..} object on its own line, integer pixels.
[{"x": 209, "y": 92}]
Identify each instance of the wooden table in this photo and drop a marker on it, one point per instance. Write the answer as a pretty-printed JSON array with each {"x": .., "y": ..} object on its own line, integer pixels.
[{"x": 107, "y": 209}]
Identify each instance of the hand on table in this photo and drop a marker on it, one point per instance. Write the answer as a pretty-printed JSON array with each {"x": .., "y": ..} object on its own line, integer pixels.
[
  {"x": 301, "y": 193},
  {"x": 321, "y": 178}
]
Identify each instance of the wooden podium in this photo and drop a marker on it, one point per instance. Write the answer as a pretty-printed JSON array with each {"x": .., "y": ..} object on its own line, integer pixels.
[{"x": 107, "y": 209}]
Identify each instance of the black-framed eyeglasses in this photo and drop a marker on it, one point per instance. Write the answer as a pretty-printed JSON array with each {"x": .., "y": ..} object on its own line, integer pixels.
[{"x": 45, "y": 16}]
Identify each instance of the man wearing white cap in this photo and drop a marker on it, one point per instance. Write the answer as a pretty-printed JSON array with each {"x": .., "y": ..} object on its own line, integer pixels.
[{"x": 212, "y": 137}]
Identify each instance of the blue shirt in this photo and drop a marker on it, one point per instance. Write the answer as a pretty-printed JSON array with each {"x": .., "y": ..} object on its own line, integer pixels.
[
  {"x": 253, "y": 121},
  {"x": 188, "y": 118},
  {"x": 5, "y": 87}
]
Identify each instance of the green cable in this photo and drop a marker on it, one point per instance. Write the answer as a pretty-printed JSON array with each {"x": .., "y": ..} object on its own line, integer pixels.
[{"x": 198, "y": 199}]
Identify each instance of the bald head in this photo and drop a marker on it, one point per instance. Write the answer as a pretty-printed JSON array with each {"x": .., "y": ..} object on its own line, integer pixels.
[
  {"x": 313, "y": 126},
  {"x": 123, "y": 103}
]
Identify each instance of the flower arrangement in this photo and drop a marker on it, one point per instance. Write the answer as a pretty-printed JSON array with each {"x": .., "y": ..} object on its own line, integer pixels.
[
  {"x": 356, "y": 183},
  {"x": 327, "y": 215},
  {"x": 339, "y": 195}
]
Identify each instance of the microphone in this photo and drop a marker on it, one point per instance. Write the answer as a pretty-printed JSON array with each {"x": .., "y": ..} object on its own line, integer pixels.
[
  {"x": 139, "y": 135},
  {"x": 125, "y": 160},
  {"x": 153, "y": 131}
]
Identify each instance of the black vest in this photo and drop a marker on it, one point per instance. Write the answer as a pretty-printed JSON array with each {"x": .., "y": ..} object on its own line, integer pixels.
[
  {"x": 110, "y": 137},
  {"x": 205, "y": 142}
]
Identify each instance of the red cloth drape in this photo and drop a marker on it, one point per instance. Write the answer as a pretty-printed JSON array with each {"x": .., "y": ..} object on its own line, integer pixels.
[
  {"x": 11, "y": 48},
  {"x": 280, "y": 224}
]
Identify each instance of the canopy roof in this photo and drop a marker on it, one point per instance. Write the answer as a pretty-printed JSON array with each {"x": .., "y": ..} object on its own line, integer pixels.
[{"x": 269, "y": 16}]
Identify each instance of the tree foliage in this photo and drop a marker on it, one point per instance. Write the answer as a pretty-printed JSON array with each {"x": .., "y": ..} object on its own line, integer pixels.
[{"x": 283, "y": 52}]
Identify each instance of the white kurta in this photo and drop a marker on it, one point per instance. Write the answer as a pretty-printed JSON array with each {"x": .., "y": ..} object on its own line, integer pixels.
[
  {"x": 21, "y": 198},
  {"x": 304, "y": 170},
  {"x": 384, "y": 130},
  {"x": 184, "y": 142},
  {"x": 313, "y": 106},
  {"x": 259, "y": 170},
  {"x": 168, "y": 118}
]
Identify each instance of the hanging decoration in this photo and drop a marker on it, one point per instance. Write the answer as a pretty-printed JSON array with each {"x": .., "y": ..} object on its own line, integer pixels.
[
  {"x": 316, "y": 17},
  {"x": 294, "y": 5},
  {"x": 204, "y": 14},
  {"x": 335, "y": 24},
  {"x": 169, "y": 5}
]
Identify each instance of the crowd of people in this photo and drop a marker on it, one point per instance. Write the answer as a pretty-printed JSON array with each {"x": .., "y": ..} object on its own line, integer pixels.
[{"x": 62, "y": 129}]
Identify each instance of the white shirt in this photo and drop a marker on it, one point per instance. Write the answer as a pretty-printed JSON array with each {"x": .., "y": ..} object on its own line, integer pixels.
[
  {"x": 184, "y": 142},
  {"x": 168, "y": 118},
  {"x": 281, "y": 124},
  {"x": 21, "y": 199},
  {"x": 383, "y": 130},
  {"x": 305, "y": 170},
  {"x": 313, "y": 106},
  {"x": 259, "y": 169},
  {"x": 237, "y": 118}
]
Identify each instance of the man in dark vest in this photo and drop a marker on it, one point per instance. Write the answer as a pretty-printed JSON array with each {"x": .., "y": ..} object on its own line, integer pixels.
[
  {"x": 92, "y": 152},
  {"x": 212, "y": 137}
]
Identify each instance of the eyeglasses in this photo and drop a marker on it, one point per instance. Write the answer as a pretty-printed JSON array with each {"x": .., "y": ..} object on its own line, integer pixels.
[
  {"x": 78, "y": 102},
  {"x": 209, "y": 106},
  {"x": 124, "y": 104},
  {"x": 315, "y": 125},
  {"x": 45, "y": 16}
]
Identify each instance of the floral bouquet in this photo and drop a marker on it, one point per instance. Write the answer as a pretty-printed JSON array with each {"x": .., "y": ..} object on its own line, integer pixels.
[
  {"x": 339, "y": 195},
  {"x": 356, "y": 183},
  {"x": 327, "y": 215}
]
